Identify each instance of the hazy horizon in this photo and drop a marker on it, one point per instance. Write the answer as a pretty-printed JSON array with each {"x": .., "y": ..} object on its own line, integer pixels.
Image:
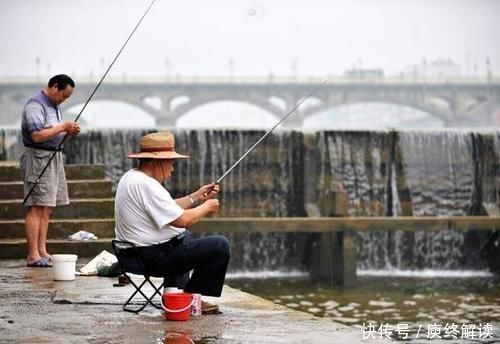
[{"x": 316, "y": 38}]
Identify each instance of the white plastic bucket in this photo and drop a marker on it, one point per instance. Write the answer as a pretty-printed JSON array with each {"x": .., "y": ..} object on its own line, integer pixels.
[{"x": 64, "y": 266}]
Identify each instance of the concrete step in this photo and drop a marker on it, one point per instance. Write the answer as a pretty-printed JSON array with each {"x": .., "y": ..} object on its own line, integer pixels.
[
  {"x": 10, "y": 171},
  {"x": 61, "y": 228},
  {"x": 79, "y": 208},
  {"x": 83, "y": 188},
  {"x": 104, "y": 208},
  {"x": 16, "y": 248}
]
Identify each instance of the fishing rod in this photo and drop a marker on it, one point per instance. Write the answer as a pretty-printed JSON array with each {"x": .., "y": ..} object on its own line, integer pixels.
[
  {"x": 67, "y": 136},
  {"x": 230, "y": 169}
]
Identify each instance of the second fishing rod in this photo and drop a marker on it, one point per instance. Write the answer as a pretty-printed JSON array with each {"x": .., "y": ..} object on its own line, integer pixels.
[{"x": 230, "y": 169}]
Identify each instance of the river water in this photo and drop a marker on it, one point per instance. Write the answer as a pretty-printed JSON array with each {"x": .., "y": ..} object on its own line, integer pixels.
[{"x": 448, "y": 306}]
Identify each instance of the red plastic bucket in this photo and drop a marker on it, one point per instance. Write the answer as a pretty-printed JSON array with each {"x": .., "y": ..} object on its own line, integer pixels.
[{"x": 177, "y": 306}]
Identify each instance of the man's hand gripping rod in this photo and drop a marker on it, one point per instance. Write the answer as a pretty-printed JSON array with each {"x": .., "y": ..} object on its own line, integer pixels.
[{"x": 230, "y": 169}]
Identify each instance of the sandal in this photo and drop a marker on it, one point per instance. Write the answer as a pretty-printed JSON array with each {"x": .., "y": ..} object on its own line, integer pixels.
[
  {"x": 39, "y": 263},
  {"x": 49, "y": 258},
  {"x": 208, "y": 308}
]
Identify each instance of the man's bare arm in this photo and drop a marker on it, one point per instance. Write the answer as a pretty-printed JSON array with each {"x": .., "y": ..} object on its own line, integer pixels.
[
  {"x": 49, "y": 133},
  {"x": 191, "y": 216}
]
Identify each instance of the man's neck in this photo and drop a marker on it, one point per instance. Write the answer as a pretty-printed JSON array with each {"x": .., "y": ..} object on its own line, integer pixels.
[
  {"x": 46, "y": 91},
  {"x": 150, "y": 172}
]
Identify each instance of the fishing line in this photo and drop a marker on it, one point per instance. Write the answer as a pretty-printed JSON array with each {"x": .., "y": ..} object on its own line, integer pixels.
[
  {"x": 66, "y": 137},
  {"x": 229, "y": 170}
]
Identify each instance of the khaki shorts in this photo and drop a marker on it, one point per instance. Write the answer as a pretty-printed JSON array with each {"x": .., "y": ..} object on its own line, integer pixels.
[{"x": 51, "y": 189}]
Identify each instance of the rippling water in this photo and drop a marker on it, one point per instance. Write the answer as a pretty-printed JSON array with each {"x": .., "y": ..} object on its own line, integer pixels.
[{"x": 470, "y": 298}]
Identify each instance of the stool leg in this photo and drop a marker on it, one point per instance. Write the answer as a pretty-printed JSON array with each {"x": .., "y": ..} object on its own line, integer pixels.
[
  {"x": 149, "y": 300},
  {"x": 156, "y": 292}
]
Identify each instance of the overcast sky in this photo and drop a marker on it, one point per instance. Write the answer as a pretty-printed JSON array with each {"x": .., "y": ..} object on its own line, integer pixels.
[{"x": 323, "y": 37}]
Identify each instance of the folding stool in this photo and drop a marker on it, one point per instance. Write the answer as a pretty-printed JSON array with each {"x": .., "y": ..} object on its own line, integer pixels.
[{"x": 131, "y": 262}]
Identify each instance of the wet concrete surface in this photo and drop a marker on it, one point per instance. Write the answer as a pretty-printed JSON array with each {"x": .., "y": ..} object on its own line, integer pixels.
[{"x": 36, "y": 309}]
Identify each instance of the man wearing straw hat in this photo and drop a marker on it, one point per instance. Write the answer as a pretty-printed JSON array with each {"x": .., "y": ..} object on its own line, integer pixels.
[{"x": 146, "y": 215}]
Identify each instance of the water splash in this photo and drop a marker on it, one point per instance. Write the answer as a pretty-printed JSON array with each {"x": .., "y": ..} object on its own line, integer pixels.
[
  {"x": 426, "y": 273},
  {"x": 356, "y": 162},
  {"x": 439, "y": 170},
  {"x": 412, "y": 174}
]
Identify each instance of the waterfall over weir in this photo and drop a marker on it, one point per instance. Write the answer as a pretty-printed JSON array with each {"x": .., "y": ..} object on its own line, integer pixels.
[{"x": 414, "y": 173}]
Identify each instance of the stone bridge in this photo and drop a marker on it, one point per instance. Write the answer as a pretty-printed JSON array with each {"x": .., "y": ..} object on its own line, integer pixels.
[{"x": 456, "y": 103}]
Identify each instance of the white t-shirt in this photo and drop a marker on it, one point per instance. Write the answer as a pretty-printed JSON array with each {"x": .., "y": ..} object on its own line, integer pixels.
[{"x": 144, "y": 209}]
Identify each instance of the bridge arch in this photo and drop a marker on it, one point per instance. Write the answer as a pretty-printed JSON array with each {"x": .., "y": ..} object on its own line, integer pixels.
[
  {"x": 432, "y": 110},
  {"x": 372, "y": 115},
  {"x": 112, "y": 114},
  {"x": 177, "y": 101},
  {"x": 227, "y": 114},
  {"x": 147, "y": 103},
  {"x": 260, "y": 101},
  {"x": 463, "y": 103}
]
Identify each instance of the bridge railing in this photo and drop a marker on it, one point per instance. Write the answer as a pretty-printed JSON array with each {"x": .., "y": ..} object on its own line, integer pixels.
[{"x": 270, "y": 79}]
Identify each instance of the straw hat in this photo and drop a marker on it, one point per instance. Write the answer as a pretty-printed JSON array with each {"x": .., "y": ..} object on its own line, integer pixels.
[{"x": 157, "y": 146}]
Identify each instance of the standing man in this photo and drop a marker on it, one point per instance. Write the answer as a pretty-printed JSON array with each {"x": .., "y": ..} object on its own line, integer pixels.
[
  {"x": 43, "y": 130},
  {"x": 146, "y": 215}
]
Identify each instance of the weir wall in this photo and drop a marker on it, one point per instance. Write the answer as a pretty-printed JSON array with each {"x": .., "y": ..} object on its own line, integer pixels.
[
  {"x": 388, "y": 173},
  {"x": 329, "y": 173}
]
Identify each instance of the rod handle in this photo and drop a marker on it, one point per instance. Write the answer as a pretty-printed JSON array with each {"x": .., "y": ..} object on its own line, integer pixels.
[{"x": 210, "y": 190}]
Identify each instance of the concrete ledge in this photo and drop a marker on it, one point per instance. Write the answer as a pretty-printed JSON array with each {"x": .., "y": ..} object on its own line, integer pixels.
[
  {"x": 78, "y": 208},
  {"x": 98, "y": 188},
  {"x": 326, "y": 224},
  {"x": 60, "y": 228},
  {"x": 37, "y": 309},
  {"x": 16, "y": 248},
  {"x": 13, "y": 244},
  {"x": 12, "y": 172}
]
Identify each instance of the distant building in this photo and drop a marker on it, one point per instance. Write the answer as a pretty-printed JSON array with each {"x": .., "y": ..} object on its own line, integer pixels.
[
  {"x": 443, "y": 68},
  {"x": 436, "y": 70},
  {"x": 364, "y": 74}
]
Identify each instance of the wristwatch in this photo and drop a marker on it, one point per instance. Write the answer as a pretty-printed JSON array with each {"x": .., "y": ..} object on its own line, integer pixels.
[{"x": 193, "y": 202}]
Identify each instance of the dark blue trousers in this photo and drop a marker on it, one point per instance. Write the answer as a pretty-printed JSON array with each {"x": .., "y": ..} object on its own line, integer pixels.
[{"x": 208, "y": 257}]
